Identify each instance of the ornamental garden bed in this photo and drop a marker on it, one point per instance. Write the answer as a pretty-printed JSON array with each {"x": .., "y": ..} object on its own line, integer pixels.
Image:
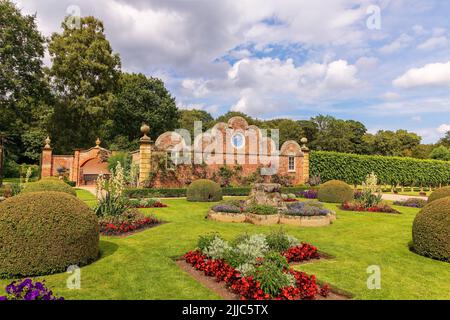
[
  {"x": 305, "y": 214},
  {"x": 146, "y": 203},
  {"x": 126, "y": 228},
  {"x": 356, "y": 206},
  {"x": 256, "y": 267}
]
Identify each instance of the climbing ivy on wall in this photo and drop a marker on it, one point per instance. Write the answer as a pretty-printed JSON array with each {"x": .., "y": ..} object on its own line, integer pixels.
[{"x": 353, "y": 169}]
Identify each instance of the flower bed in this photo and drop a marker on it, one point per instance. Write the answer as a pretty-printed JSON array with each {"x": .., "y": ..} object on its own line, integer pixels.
[
  {"x": 256, "y": 267},
  {"x": 290, "y": 197},
  {"x": 27, "y": 290},
  {"x": 412, "y": 203},
  {"x": 307, "y": 214},
  {"x": 308, "y": 194},
  {"x": 127, "y": 223},
  {"x": 146, "y": 203},
  {"x": 302, "y": 252},
  {"x": 357, "y": 206},
  {"x": 247, "y": 287}
]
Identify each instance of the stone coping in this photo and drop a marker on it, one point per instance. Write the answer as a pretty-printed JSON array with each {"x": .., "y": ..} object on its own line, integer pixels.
[{"x": 257, "y": 219}]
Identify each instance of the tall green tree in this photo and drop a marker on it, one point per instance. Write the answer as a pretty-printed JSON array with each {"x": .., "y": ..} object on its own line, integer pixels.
[
  {"x": 338, "y": 135},
  {"x": 25, "y": 95},
  {"x": 140, "y": 99},
  {"x": 188, "y": 118},
  {"x": 445, "y": 141},
  {"x": 84, "y": 77},
  {"x": 440, "y": 153},
  {"x": 389, "y": 143},
  {"x": 288, "y": 129},
  {"x": 230, "y": 114},
  {"x": 309, "y": 128}
]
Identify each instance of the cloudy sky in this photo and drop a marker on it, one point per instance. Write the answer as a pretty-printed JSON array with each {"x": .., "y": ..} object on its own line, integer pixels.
[{"x": 285, "y": 58}]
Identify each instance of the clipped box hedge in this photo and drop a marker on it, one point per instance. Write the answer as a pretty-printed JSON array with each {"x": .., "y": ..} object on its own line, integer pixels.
[
  {"x": 353, "y": 169},
  {"x": 46, "y": 232}
]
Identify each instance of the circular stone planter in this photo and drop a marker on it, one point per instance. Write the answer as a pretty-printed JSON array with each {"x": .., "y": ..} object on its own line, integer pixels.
[
  {"x": 263, "y": 220},
  {"x": 308, "y": 221},
  {"x": 226, "y": 216}
]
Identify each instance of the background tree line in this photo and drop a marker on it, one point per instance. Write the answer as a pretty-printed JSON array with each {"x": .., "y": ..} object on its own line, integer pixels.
[
  {"x": 326, "y": 133},
  {"x": 84, "y": 94}
]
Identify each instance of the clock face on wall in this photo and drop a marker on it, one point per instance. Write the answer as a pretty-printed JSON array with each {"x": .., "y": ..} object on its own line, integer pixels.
[{"x": 238, "y": 140}]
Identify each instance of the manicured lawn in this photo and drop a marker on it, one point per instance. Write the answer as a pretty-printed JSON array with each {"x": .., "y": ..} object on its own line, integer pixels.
[
  {"x": 16, "y": 180},
  {"x": 141, "y": 266}
]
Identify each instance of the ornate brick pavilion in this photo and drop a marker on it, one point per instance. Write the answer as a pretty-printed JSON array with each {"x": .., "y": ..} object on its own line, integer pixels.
[
  {"x": 83, "y": 166},
  {"x": 231, "y": 144}
]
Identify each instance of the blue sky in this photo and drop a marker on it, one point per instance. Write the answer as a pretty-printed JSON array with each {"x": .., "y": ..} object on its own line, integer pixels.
[{"x": 287, "y": 58}]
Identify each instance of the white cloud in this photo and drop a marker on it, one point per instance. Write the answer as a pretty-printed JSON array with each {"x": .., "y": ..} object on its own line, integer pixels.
[
  {"x": 367, "y": 63},
  {"x": 430, "y": 75},
  {"x": 439, "y": 31},
  {"x": 409, "y": 107},
  {"x": 189, "y": 36},
  {"x": 258, "y": 81},
  {"x": 402, "y": 42},
  {"x": 197, "y": 87},
  {"x": 433, "y": 43},
  {"x": 418, "y": 29},
  {"x": 391, "y": 96},
  {"x": 443, "y": 128}
]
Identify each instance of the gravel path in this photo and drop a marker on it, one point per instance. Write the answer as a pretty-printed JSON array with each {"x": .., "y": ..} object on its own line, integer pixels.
[{"x": 398, "y": 197}]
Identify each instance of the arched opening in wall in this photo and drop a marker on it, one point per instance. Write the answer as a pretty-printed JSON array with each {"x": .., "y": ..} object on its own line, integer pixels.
[{"x": 91, "y": 169}]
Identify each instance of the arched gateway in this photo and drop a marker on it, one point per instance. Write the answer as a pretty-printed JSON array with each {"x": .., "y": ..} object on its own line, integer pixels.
[{"x": 83, "y": 167}]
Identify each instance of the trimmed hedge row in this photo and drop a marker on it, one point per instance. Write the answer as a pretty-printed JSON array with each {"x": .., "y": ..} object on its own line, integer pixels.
[
  {"x": 353, "y": 169},
  {"x": 181, "y": 192}
]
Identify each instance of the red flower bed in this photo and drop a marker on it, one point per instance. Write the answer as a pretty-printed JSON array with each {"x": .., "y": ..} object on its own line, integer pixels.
[
  {"x": 302, "y": 252},
  {"x": 246, "y": 287},
  {"x": 155, "y": 205},
  {"x": 111, "y": 229},
  {"x": 355, "y": 206},
  {"x": 290, "y": 200}
]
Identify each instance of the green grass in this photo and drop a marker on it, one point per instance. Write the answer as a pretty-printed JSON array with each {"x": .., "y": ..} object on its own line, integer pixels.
[
  {"x": 86, "y": 196},
  {"x": 17, "y": 180},
  {"x": 141, "y": 266}
]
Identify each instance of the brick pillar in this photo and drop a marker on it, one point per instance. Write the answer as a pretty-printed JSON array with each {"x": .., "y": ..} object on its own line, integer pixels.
[
  {"x": 145, "y": 155},
  {"x": 305, "y": 151},
  {"x": 75, "y": 172},
  {"x": 46, "y": 164}
]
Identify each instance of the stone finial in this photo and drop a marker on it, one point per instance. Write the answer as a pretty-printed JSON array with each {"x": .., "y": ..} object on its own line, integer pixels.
[
  {"x": 98, "y": 142},
  {"x": 145, "y": 129},
  {"x": 304, "y": 141},
  {"x": 47, "y": 143}
]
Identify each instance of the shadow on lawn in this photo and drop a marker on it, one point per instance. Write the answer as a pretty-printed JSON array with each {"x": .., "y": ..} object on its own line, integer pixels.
[{"x": 107, "y": 248}]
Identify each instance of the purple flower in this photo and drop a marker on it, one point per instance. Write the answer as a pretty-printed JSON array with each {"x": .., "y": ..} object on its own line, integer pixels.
[
  {"x": 27, "y": 290},
  {"x": 308, "y": 194}
]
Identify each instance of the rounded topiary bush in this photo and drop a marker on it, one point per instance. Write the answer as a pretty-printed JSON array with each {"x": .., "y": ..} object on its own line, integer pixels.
[
  {"x": 47, "y": 184},
  {"x": 431, "y": 230},
  {"x": 45, "y": 232},
  {"x": 335, "y": 191},
  {"x": 439, "y": 194},
  {"x": 204, "y": 190}
]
